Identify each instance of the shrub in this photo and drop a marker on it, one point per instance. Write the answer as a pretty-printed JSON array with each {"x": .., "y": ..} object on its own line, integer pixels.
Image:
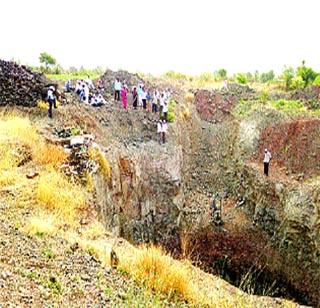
[
  {"x": 288, "y": 106},
  {"x": 316, "y": 82},
  {"x": 176, "y": 75},
  {"x": 241, "y": 78},
  {"x": 307, "y": 74},
  {"x": 207, "y": 77},
  {"x": 220, "y": 74},
  {"x": 171, "y": 114},
  {"x": 287, "y": 76},
  {"x": 297, "y": 83},
  {"x": 265, "y": 77}
]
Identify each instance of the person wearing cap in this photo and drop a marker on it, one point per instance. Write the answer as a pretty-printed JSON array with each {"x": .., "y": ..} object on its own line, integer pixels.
[
  {"x": 266, "y": 162},
  {"x": 51, "y": 99}
]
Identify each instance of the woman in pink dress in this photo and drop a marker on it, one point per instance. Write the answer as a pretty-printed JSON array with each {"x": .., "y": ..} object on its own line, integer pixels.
[{"x": 124, "y": 97}]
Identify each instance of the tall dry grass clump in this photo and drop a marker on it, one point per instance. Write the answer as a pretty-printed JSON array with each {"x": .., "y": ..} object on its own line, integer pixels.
[
  {"x": 49, "y": 154},
  {"x": 100, "y": 158},
  {"x": 158, "y": 271},
  {"x": 57, "y": 193}
]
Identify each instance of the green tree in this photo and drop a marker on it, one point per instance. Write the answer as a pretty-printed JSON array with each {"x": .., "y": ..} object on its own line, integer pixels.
[
  {"x": 307, "y": 74},
  {"x": 221, "y": 74},
  {"x": 268, "y": 76},
  {"x": 47, "y": 60},
  {"x": 287, "y": 76}
]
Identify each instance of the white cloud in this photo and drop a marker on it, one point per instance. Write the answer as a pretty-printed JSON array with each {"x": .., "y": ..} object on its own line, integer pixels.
[{"x": 156, "y": 36}]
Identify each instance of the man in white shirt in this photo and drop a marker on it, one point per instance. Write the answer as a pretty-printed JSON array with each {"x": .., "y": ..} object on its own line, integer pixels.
[
  {"x": 164, "y": 130},
  {"x": 117, "y": 89},
  {"x": 266, "y": 160},
  {"x": 89, "y": 83},
  {"x": 51, "y": 100}
]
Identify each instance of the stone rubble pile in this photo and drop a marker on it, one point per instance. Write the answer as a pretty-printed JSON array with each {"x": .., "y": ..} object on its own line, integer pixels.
[{"x": 19, "y": 85}]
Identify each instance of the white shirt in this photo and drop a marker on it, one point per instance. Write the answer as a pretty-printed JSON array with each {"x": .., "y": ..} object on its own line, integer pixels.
[
  {"x": 117, "y": 85},
  {"x": 161, "y": 101},
  {"x": 164, "y": 127},
  {"x": 165, "y": 107},
  {"x": 143, "y": 95},
  {"x": 159, "y": 127},
  {"x": 50, "y": 94},
  {"x": 89, "y": 83},
  {"x": 267, "y": 157}
]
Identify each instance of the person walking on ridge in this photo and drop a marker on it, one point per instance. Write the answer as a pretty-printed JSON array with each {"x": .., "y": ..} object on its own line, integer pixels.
[
  {"x": 51, "y": 99},
  {"x": 266, "y": 161}
]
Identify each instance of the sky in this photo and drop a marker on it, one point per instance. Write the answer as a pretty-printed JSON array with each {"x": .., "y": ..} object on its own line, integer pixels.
[{"x": 155, "y": 36}]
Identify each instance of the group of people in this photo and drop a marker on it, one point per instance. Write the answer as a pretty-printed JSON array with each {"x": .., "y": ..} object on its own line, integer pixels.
[
  {"x": 85, "y": 89},
  {"x": 150, "y": 101}
]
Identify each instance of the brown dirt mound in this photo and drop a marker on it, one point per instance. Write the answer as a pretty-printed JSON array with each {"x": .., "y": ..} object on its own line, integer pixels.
[
  {"x": 216, "y": 105},
  {"x": 294, "y": 145}
]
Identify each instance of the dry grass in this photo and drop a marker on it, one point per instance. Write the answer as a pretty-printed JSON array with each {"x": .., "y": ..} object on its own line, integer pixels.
[
  {"x": 18, "y": 129},
  {"x": 89, "y": 183},
  {"x": 57, "y": 193},
  {"x": 185, "y": 113},
  {"x": 159, "y": 272},
  {"x": 94, "y": 231},
  {"x": 189, "y": 97},
  {"x": 49, "y": 154},
  {"x": 100, "y": 158},
  {"x": 99, "y": 248},
  {"x": 41, "y": 224},
  {"x": 8, "y": 177}
]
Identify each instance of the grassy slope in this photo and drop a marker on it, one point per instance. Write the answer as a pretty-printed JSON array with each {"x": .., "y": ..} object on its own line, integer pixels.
[{"x": 40, "y": 224}]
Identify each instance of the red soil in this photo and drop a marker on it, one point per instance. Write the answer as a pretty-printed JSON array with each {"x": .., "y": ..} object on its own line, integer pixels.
[{"x": 294, "y": 146}]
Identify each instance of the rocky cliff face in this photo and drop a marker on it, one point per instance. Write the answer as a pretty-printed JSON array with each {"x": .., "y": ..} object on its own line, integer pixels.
[
  {"x": 143, "y": 201},
  {"x": 157, "y": 192}
]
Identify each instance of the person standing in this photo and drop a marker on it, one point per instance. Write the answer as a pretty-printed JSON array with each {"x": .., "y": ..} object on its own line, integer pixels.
[
  {"x": 124, "y": 97},
  {"x": 155, "y": 102},
  {"x": 266, "y": 161},
  {"x": 144, "y": 98},
  {"x": 51, "y": 99},
  {"x": 149, "y": 101},
  {"x": 164, "y": 130},
  {"x": 159, "y": 130},
  {"x": 161, "y": 103},
  {"x": 117, "y": 89},
  {"x": 140, "y": 95},
  {"x": 135, "y": 98}
]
